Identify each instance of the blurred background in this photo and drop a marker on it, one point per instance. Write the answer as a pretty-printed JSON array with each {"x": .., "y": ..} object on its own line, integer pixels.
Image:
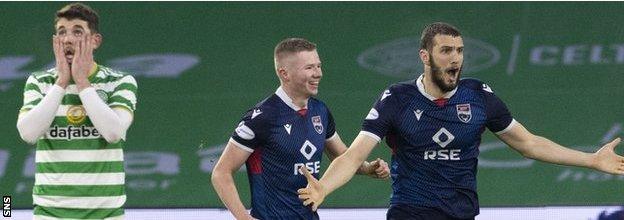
[{"x": 201, "y": 65}]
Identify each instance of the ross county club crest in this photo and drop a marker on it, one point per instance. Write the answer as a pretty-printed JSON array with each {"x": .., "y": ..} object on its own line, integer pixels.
[
  {"x": 463, "y": 112},
  {"x": 318, "y": 125}
]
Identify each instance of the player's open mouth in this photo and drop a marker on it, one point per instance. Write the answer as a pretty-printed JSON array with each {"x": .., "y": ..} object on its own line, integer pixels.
[
  {"x": 314, "y": 83},
  {"x": 452, "y": 71},
  {"x": 69, "y": 53}
]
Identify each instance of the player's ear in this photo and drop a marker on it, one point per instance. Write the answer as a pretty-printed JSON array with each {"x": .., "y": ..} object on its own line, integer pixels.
[
  {"x": 424, "y": 56},
  {"x": 282, "y": 73},
  {"x": 97, "y": 40}
]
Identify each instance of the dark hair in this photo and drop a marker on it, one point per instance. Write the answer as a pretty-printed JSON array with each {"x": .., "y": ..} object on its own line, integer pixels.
[
  {"x": 433, "y": 29},
  {"x": 79, "y": 11},
  {"x": 293, "y": 45}
]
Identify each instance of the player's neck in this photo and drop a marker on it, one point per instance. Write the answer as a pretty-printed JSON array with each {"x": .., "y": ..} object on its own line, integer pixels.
[
  {"x": 431, "y": 88},
  {"x": 300, "y": 101}
]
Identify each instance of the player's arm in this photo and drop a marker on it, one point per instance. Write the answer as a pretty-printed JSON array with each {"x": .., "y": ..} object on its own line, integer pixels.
[
  {"x": 38, "y": 110},
  {"x": 334, "y": 147},
  {"x": 511, "y": 132},
  {"x": 377, "y": 123},
  {"x": 111, "y": 123},
  {"x": 230, "y": 161},
  {"x": 543, "y": 149},
  {"x": 33, "y": 122},
  {"x": 340, "y": 171}
]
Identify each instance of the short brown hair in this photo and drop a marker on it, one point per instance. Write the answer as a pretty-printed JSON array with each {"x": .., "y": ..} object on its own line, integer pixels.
[
  {"x": 79, "y": 11},
  {"x": 431, "y": 30},
  {"x": 293, "y": 45}
]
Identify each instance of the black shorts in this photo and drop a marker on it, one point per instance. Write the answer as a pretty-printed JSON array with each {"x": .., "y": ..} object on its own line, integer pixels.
[{"x": 408, "y": 212}]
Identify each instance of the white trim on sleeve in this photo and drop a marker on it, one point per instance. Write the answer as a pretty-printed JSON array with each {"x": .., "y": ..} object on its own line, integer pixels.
[
  {"x": 333, "y": 136},
  {"x": 370, "y": 134},
  {"x": 511, "y": 125},
  {"x": 241, "y": 146}
]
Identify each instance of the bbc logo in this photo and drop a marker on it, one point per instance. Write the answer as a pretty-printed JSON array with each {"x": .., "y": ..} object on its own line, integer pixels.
[{"x": 6, "y": 206}]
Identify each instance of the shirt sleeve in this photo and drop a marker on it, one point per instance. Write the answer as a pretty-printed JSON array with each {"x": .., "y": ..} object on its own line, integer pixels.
[
  {"x": 499, "y": 120},
  {"x": 331, "y": 126},
  {"x": 32, "y": 94},
  {"x": 380, "y": 118},
  {"x": 248, "y": 133},
  {"x": 124, "y": 94}
]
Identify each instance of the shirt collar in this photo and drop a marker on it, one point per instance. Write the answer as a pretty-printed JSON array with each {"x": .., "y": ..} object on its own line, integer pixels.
[
  {"x": 94, "y": 69},
  {"x": 421, "y": 89},
  {"x": 286, "y": 99}
]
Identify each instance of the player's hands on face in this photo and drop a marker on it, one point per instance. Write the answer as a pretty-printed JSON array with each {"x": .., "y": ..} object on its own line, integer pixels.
[
  {"x": 607, "y": 160},
  {"x": 62, "y": 66},
  {"x": 314, "y": 193},
  {"x": 82, "y": 62},
  {"x": 378, "y": 169}
]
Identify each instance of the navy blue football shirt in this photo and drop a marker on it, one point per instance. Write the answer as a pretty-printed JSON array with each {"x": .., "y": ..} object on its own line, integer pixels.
[
  {"x": 435, "y": 144},
  {"x": 282, "y": 139}
]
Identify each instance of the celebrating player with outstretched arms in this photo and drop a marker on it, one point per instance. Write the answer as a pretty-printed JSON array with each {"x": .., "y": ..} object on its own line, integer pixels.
[{"x": 433, "y": 125}]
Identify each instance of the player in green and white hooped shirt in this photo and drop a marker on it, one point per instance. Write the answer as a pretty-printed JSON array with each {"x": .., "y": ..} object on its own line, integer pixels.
[{"x": 78, "y": 113}]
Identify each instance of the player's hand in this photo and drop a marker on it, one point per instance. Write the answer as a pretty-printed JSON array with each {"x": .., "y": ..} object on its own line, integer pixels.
[
  {"x": 378, "y": 169},
  {"x": 82, "y": 62},
  {"x": 314, "y": 193},
  {"x": 607, "y": 160},
  {"x": 62, "y": 66}
]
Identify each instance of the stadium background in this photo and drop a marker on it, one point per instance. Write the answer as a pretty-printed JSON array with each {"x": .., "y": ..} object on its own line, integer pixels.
[{"x": 200, "y": 65}]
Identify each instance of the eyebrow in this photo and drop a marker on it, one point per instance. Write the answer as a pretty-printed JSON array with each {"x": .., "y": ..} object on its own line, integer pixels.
[
  {"x": 450, "y": 47},
  {"x": 311, "y": 64},
  {"x": 75, "y": 26}
]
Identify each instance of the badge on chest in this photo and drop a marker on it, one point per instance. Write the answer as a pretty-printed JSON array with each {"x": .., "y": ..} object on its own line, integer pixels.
[
  {"x": 318, "y": 124},
  {"x": 463, "y": 112}
]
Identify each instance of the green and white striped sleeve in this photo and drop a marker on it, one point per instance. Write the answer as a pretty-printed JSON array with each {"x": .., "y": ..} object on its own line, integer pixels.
[
  {"x": 124, "y": 94},
  {"x": 32, "y": 94}
]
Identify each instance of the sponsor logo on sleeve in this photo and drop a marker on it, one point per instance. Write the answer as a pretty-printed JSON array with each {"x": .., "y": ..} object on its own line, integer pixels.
[
  {"x": 487, "y": 88},
  {"x": 372, "y": 114},
  {"x": 244, "y": 132},
  {"x": 255, "y": 113},
  {"x": 385, "y": 94}
]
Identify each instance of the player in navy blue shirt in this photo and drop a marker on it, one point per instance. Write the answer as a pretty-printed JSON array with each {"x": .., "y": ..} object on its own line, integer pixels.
[
  {"x": 282, "y": 134},
  {"x": 433, "y": 126}
]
